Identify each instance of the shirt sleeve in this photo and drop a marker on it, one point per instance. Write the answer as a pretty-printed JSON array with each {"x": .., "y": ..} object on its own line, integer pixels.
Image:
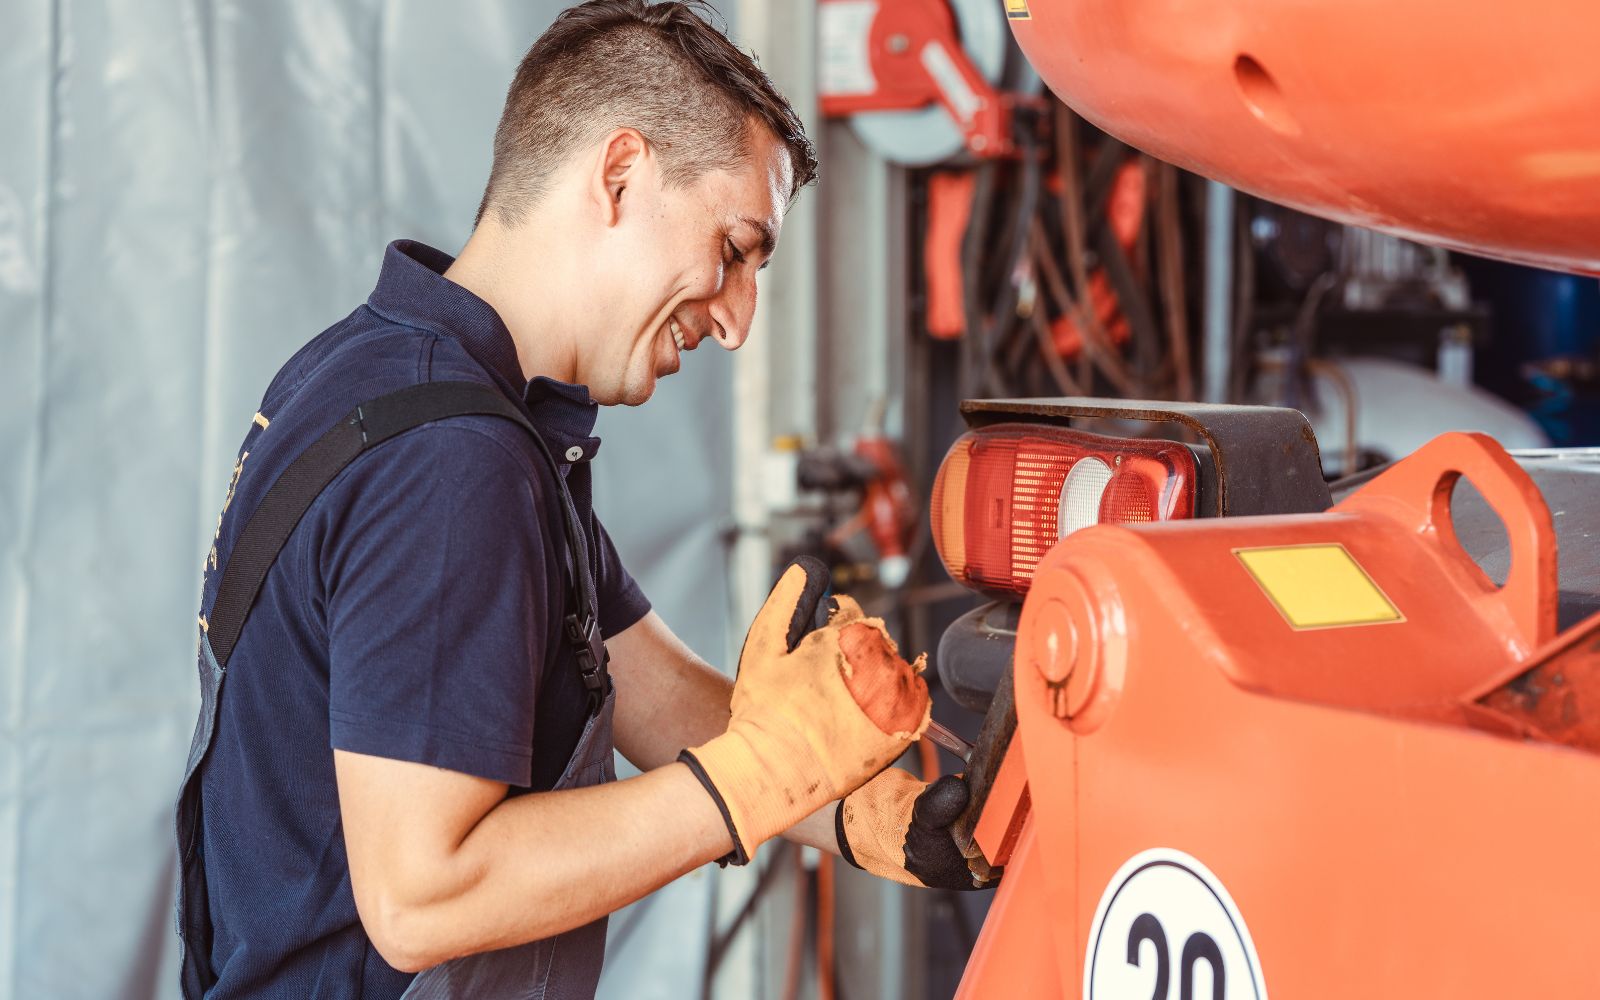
[
  {"x": 436, "y": 578},
  {"x": 622, "y": 602}
]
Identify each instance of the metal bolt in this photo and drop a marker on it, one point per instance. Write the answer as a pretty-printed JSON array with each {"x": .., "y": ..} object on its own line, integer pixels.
[
  {"x": 898, "y": 44},
  {"x": 1055, "y": 643}
]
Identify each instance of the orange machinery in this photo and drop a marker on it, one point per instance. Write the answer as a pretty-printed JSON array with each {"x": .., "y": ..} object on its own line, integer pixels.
[
  {"x": 1320, "y": 755},
  {"x": 1472, "y": 124},
  {"x": 1317, "y": 754}
]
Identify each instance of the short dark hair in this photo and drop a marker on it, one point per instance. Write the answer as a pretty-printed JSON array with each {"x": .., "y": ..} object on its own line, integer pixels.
[{"x": 662, "y": 68}]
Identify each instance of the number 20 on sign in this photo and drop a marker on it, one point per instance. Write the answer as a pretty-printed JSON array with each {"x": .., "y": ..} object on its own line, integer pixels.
[{"x": 1167, "y": 928}]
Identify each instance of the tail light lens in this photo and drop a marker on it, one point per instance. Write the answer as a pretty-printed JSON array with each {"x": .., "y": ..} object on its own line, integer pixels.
[{"x": 1007, "y": 493}]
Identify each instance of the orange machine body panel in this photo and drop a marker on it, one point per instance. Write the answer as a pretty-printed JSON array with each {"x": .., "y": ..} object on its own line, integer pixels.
[
  {"x": 1378, "y": 832},
  {"x": 1470, "y": 123}
]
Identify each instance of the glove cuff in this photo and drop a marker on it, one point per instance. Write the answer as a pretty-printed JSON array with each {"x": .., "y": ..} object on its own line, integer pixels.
[
  {"x": 760, "y": 794},
  {"x": 844, "y": 840},
  {"x": 737, "y": 856}
]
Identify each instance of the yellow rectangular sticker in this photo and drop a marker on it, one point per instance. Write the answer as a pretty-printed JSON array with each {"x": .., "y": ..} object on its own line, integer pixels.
[
  {"x": 1017, "y": 10},
  {"x": 1318, "y": 586}
]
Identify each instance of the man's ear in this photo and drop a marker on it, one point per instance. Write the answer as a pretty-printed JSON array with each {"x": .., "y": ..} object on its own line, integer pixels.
[{"x": 622, "y": 159}]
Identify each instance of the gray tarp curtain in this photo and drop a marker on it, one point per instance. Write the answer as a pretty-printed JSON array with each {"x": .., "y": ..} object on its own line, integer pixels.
[{"x": 188, "y": 192}]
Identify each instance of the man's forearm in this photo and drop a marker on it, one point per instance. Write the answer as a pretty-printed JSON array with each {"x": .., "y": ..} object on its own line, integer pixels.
[
  {"x": 675, "y": 712},
  {"x": 668, "y": 699},
  {"x": 540, "y": 864},
  {"x": 816, "y": 830}
]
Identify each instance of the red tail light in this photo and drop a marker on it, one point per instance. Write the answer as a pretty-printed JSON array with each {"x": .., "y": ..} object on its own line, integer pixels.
[{"x": 1007, "y": 493}]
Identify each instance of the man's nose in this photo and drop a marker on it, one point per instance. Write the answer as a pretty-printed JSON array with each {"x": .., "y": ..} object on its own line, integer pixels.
[{"x": 733, "y": 311}]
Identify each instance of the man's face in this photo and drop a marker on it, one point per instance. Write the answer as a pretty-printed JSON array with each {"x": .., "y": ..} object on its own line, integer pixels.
[{"x": 688, "y": 259}]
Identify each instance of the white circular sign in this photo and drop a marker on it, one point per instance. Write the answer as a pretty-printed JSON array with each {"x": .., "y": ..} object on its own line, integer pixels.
[{"x": 1166, "y": 929}]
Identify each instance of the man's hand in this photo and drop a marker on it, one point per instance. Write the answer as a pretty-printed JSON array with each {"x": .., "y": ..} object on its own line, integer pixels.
[
  {"x": 815, "y": 714},
  {"x": 898, "y": 827}
]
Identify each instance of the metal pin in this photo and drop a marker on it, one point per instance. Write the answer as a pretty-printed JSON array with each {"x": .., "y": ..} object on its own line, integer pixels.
[{"x": 942, "y": 737}]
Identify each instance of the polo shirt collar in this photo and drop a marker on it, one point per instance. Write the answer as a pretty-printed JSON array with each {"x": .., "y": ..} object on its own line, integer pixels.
[
  {"x": 412, "y": 290},
  {"x": 565, "y": 415}
]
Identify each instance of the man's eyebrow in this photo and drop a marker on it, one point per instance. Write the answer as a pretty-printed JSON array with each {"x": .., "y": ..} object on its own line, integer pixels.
[{"x": 769, "y": 239}]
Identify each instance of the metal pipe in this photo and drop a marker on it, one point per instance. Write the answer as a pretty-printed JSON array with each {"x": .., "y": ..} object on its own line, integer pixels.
[
  {"x": 774, "y": 392},
  {"x": 1218, "y": 320}
]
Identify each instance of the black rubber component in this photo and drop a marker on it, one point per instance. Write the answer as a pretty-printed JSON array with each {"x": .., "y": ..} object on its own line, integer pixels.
[{"x": 975, "y": 651}]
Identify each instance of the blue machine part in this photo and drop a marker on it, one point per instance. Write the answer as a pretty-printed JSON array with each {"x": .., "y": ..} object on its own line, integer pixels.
[{"x": 1542, "y": 316}]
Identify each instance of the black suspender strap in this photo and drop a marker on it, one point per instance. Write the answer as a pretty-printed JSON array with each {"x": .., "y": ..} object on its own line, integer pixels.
[{"x": 368, "y": 425}]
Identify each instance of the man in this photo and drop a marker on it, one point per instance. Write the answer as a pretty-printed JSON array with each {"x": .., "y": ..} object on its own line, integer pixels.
[{"x": 409, "y": 766}]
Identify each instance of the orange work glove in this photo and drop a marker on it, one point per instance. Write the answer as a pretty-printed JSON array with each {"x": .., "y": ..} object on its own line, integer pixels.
[
  {"x": 814, "y": 714},
  {"x": 898, "y": 827}
]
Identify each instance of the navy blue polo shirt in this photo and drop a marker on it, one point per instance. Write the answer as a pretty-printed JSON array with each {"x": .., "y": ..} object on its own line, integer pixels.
[{"x": 414, "y": 614}]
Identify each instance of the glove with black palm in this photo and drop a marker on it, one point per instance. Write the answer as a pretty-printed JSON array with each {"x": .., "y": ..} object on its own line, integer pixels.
[{"x": 899, "y": 827}]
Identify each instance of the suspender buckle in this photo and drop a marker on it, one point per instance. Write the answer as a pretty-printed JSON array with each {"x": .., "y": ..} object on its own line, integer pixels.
[{"x": 590, "y": 649}]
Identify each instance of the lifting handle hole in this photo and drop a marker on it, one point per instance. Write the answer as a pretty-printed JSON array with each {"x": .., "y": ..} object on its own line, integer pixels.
[{"x": 1479, "y": 530}]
